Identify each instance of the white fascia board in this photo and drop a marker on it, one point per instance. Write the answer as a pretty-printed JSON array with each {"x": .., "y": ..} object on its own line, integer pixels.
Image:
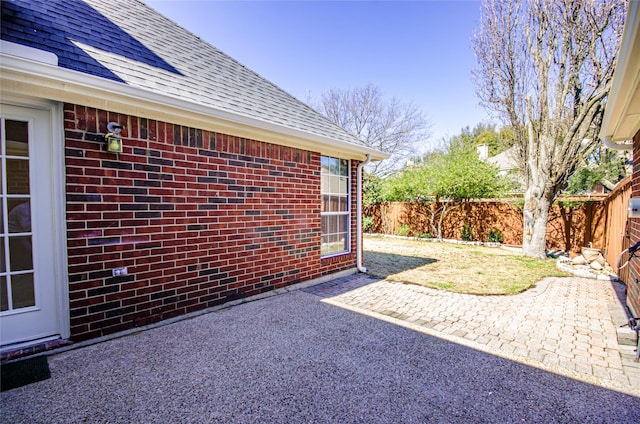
[
  {"x": 19, "y": 76},
  {"x": 626, "y": 79}
]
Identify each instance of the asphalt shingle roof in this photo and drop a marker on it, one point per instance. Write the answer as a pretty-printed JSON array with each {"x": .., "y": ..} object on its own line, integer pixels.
[{"x": 129, "y": 42}]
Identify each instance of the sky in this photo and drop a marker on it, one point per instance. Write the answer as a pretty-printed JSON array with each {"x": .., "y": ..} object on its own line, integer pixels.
[{"x": 416, "y": 51}]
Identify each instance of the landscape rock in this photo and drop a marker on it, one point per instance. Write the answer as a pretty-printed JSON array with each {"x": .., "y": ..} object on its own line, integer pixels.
[
  {"x": 590, "y": 254},
  {"x": 579, "y": 260},
  {"x": 604, "y": 273}
]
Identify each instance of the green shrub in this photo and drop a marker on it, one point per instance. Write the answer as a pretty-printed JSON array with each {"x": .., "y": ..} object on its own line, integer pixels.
[
  {"x": 467, "y": 232},
  {"x": 367, "y": 223},
  {"x": 496, "y": 236},
  {"x": 403, "y": 230}
]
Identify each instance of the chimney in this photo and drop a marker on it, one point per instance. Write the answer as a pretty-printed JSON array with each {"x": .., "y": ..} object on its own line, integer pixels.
[{"x": 483, "y": 151}]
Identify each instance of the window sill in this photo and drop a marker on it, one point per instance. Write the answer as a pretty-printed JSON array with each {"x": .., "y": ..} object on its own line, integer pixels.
[{"x": 335, "y": 255}]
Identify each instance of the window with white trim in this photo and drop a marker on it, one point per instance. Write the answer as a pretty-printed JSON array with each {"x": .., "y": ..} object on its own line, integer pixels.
[{"x": 335, "y": 208}]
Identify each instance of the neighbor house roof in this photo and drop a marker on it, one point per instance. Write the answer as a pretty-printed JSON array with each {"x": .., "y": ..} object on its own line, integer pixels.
[
  {"x": 504, "y": 160},
  {"x": 142, "y": 57}
]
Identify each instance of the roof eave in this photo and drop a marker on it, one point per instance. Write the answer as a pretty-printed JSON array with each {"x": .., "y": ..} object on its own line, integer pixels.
[
  {"x": 19, "y": 76},
  {"x": 622, "y": 114}
]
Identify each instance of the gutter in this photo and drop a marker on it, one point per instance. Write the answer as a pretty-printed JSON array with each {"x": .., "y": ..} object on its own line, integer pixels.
[
  {"x": 43, "y": 79},
  {"x": 359, "y": 249},
  {"x": 626, "y": 145}
]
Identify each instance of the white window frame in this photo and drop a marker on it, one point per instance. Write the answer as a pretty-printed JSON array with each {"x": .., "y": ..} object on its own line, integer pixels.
[{"x": 347, "y": 213}]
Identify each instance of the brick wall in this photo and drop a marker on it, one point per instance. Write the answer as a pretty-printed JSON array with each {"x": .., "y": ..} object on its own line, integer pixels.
[
  {"x": 198, "y": 218},
  {"x": 633, "y": 286}
]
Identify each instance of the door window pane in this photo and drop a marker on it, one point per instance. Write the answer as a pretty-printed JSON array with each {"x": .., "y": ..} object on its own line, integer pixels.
[
  {"x": 4, "y": 298},
  {"x": 17, "y": 176},
  {"x": 22, "y": 293},
  {"x": 3, "y": 267},
  {"x": 20, "y": 253},
  {"x": 19, "y": 216},
  {"x": 17, "y": 138}
]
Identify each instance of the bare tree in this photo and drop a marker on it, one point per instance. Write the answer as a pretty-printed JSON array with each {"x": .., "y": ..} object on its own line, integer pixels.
[
  {"x": 545, "y": 67},
  {"x": 386, "y": 125}
]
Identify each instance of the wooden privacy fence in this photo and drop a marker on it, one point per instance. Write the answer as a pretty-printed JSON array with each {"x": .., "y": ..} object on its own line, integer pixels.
[
  {"x": 616, "y": 225},
  {"x": 573, "y": 223}
]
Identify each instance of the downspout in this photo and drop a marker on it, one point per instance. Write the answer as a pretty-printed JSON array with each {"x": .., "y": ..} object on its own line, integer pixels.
[
  {"x": 618, "y": 146},
  {"x": 361, "y": 165}
]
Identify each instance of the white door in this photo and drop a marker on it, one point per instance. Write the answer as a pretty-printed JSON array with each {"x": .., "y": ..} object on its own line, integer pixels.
[{"x": 28, "y": 287}]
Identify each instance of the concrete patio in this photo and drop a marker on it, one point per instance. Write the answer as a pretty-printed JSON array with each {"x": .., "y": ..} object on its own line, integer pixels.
[{"x": 336, "y": 352}]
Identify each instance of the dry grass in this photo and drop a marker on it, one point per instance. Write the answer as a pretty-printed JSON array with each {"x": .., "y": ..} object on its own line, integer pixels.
[{"x": 453, "y": 267}]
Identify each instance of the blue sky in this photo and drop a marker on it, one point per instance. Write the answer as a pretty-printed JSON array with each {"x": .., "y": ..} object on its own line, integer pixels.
[{"x": 417, "y": 51}]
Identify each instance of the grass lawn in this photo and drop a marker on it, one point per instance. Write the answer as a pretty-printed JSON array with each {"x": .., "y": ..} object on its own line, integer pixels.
[{"x": 454, "y": 267}]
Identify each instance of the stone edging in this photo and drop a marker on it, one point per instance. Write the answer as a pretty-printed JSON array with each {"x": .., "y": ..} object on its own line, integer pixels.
[{"x": 583, "y": 271}]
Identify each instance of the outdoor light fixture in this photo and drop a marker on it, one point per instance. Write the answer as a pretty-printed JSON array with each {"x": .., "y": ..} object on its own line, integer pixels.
[
  {"x": 634, "y": 207},
  {"x": 112, "y": 138}
]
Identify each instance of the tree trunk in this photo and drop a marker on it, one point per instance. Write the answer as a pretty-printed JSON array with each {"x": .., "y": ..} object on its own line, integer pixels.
[
  {"x": 535, "y": 214},
  {"x": 436, "y": 212},
  {"x": 443, "y": 212}
]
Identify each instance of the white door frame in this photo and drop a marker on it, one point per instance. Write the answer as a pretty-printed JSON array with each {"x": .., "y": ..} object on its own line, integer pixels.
[{"x": 58, "y": 206}]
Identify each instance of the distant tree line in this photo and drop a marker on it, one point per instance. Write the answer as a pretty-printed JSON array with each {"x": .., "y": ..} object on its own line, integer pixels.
[{"x": 454, "y": 173}]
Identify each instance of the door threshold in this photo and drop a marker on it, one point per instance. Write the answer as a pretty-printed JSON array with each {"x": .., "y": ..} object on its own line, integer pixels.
[{"x": 31, "y": 347}]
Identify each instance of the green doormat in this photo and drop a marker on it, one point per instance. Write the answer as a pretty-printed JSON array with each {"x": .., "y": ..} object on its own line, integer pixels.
[{"x": 21, "y": 373}]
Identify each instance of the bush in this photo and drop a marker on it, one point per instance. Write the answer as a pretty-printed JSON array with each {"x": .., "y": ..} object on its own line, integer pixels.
[
  {"x": 467, "y": 232},
  {"x": 367, "y": 223},
  {"x": 495, "y": 235},
  {"x": 403, "y": 230}
]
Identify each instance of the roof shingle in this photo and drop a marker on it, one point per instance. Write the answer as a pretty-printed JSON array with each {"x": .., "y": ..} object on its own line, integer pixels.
[{"x": 128, "y": 42}]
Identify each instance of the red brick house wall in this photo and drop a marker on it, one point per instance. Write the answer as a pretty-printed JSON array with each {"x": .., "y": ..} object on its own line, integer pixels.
[
  {"x": 633, "y": 286},
  {"x": 198, "y": 218}
]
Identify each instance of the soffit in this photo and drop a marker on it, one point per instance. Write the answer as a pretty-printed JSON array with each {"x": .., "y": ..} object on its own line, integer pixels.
[{"x": 622, "y": 115}]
